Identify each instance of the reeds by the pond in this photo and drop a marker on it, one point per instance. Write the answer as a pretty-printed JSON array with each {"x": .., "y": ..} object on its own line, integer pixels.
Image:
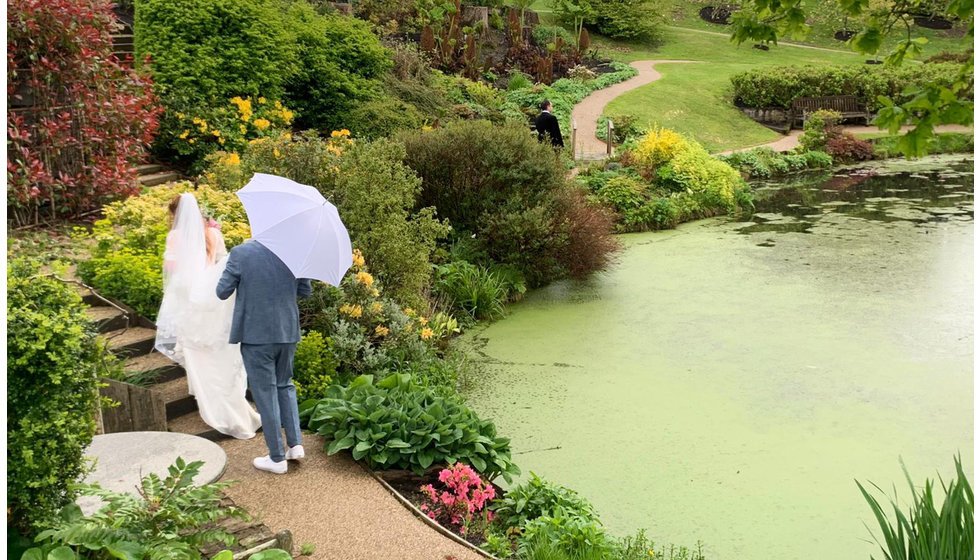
[{"x": 925, "y": 533}]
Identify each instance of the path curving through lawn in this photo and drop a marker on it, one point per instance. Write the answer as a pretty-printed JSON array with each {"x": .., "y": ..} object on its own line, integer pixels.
[{"x": 588, "y": 111}]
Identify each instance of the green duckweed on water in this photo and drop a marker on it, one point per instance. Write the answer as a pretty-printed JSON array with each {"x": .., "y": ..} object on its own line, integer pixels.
[{"x": 729, "y": 380}]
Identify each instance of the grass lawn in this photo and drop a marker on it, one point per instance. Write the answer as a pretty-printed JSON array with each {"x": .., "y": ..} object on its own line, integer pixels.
[
  {"x": 692, "y": 98},
  {"x": 684, "y": 13}
]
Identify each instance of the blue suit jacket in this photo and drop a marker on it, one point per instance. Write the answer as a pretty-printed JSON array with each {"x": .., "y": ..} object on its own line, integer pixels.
[{"x": 265, "y": 308}]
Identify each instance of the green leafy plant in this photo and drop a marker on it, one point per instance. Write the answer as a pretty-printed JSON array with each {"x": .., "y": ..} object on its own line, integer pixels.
[
  {"x": 314, "y": 366},
  {"x": 167, "y": 518},
  {"x": 538, "y": 497},
  {"x": 53, "y": 365},
  {"x": 395, "y": 424},
  {"x": 340, "y": 65},
  {"x": 564, "y": 533},
  {"x": 383, "y": 117},
  {"x": 639, "y": 547},
  {"x": 766, "y": 162},
  {"x": 544, "y": 34},
  {"x": 205, "y": 53},
  {"x": 817, "y": 129},
  {"x": 926, "y": 532},
  {"x": 472, "y": 290}
]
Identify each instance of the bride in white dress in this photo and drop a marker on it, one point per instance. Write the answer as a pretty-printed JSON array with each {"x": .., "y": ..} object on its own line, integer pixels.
[{"x": 193, "y": 324}]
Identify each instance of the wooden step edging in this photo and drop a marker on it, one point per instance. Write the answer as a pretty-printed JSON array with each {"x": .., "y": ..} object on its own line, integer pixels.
[{"x": 425, "y": 518}]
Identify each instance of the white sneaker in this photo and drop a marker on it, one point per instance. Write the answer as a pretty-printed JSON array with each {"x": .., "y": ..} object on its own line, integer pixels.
[
  {"x": 267, "y": 464},
  {"x": 295, "y": 452}
]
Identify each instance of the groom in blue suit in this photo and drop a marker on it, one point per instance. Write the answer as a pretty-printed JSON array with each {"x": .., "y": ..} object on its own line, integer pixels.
[{"x": 266, "y": 323}]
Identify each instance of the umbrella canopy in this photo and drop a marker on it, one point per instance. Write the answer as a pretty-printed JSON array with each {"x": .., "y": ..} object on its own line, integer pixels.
[{"x": 301, "y": 227}]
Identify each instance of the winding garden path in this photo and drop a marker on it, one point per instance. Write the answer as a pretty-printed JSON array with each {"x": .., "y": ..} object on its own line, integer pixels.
[
  {"x": 588, "y": 111},
  {"x": 334, "y": 504}
]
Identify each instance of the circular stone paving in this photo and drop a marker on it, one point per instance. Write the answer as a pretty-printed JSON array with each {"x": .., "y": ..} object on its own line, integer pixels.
[{"x": 123, "y": 459}]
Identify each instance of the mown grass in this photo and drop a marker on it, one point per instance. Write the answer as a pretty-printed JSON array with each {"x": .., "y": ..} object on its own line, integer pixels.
[{"x": 684, "y": 13}]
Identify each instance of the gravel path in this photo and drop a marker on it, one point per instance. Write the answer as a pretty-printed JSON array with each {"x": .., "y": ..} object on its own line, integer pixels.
[
  {"x": 792, "y": 140},
  {"x": 331, "y": 502},
  {"x": 590, "y": 109}
]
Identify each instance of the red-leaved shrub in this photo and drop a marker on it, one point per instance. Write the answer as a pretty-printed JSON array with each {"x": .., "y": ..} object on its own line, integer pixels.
[
  {"x": 844, "y": 146},
  {"x": 78, "y": 121},
  {"x": 589, "y": 229}
]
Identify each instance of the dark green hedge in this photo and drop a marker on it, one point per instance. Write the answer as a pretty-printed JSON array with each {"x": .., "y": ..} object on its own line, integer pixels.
[{"x": 778, "y": 86}]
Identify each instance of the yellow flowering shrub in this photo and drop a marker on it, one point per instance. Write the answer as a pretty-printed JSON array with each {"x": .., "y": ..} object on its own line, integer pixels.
[
  {"x": 713, "y": 184},
  {"x": 201, "y": 131},
  {"x": 365, "y": 278},
  {"x": 657, "y": 147},
  {"x": 368, "y": 332},
  {"x": 665, "y": 180}
]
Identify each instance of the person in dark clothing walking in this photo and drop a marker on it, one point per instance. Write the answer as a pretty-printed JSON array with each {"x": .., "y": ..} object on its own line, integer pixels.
[{"x": 548, "y": 123}]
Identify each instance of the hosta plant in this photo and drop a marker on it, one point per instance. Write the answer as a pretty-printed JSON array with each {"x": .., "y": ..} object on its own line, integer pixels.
[{"x": 395, "y": 424}]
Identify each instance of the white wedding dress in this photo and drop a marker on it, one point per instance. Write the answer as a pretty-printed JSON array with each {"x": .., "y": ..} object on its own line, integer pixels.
[{"x": 193, "y": 325}]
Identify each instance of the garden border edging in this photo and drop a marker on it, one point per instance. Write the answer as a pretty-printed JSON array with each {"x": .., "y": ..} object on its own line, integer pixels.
[{"x": 425, "y": 518}]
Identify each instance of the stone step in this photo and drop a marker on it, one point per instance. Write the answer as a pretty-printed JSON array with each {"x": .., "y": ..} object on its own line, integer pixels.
[
  {"x": 89, "y": 298},
  {"x": 134, "y": 341},
  {"x": 165, "y": 368},
  {"x": 149, "y": 168},
  {"x": 159, "y": 178},
  {"x": 175, "y": 395},
  {"x": 193, "y": 424},
  {"x": 107, "y": 319}
]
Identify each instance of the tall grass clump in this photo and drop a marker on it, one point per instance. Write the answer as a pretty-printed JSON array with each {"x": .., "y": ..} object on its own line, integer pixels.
[{"x": 925, "y": 533}]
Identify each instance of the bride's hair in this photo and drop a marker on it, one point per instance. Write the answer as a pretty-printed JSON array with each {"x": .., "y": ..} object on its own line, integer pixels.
[{"x": 174, "y": 203}]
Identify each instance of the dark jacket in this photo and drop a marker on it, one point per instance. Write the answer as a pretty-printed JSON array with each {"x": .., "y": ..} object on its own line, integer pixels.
[
  {"x": 548, "y": 123},
  {"x": 265, "y": 307}
]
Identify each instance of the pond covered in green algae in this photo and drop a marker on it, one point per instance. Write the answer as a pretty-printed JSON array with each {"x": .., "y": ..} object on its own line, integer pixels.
[{"x": 728, "y": 381}]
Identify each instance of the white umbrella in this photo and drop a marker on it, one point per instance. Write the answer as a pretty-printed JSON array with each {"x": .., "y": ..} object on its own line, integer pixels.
[{"x": 301, "y": 227}]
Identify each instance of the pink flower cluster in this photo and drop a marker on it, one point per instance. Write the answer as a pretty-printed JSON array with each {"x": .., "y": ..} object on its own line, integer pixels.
[{"x": 464, "y": 499}]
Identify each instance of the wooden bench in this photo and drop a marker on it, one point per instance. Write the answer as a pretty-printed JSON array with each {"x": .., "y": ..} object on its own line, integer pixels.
[{"x": 847, "y": 105}]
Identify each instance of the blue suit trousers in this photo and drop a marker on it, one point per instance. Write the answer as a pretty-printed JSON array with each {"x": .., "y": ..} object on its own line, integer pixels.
[{"x": 270, "y": 377}]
